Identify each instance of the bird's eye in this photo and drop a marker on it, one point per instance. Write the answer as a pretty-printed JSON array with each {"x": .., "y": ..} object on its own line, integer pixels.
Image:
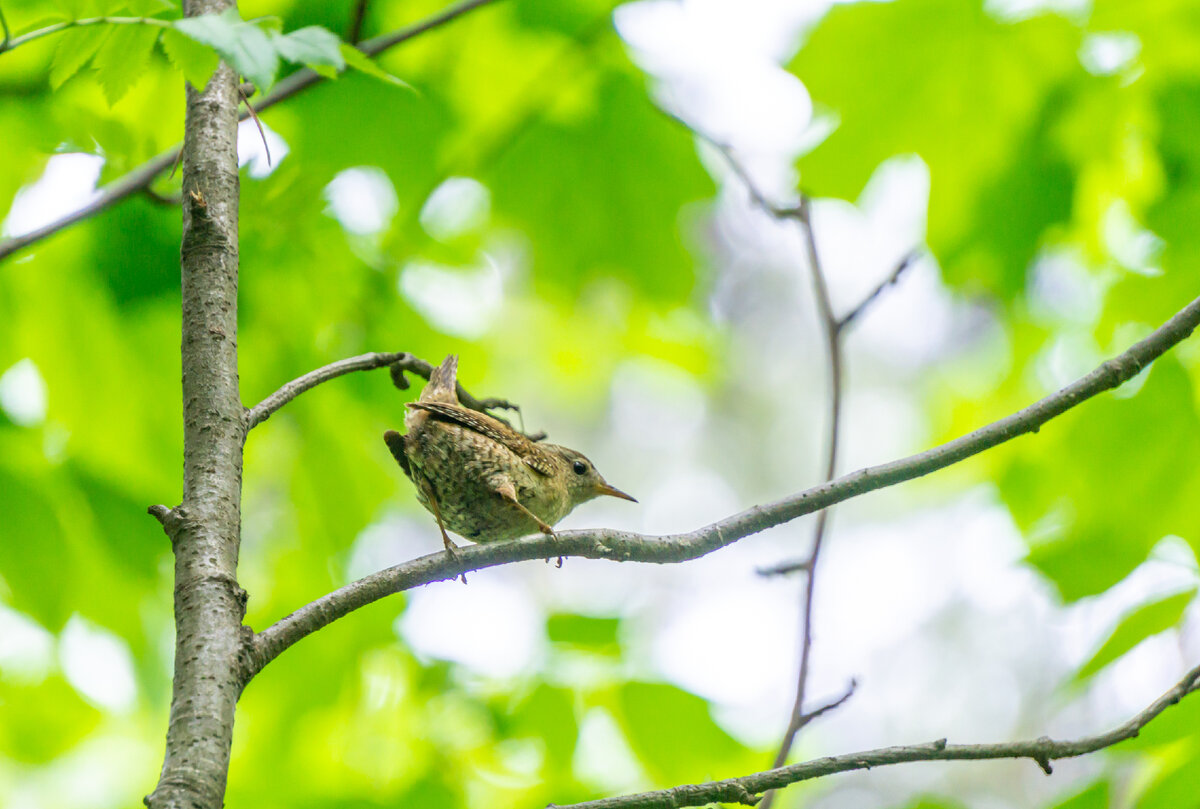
[{"x": 580, "y": 467}]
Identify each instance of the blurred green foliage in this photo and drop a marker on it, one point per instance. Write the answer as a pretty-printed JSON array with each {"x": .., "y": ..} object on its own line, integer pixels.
[{"x": 1029, "y": 152}]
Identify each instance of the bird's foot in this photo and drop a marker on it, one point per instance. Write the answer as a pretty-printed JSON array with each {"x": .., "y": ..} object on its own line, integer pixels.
[{"x": 452, "y": 549}]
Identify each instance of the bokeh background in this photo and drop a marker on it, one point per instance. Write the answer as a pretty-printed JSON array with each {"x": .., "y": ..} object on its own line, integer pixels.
[{"x": 529, "y": 206}]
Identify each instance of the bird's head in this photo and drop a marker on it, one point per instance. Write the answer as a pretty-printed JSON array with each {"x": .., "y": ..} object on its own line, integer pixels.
[{"x": 583, "y": 481}]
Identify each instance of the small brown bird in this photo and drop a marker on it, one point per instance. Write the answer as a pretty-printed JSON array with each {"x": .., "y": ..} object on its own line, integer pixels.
[{"x": 479, "y": 477}]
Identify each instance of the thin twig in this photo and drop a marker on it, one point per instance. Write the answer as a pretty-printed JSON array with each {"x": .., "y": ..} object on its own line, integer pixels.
[
  {"x": 399, "y": 362},
  {"x": 907, "y": 261},
  {"x": 356, "y": 22},
  {"x": 144, "y": 174},
  {"x": 785, "y": 568},
  {"x": 11, "y": 43},
  {"x": 629, "y": 547},
  {"x": 829, "y": 706},
  {"x": 802, "y": 213},
  {"x": 746, "y": 790},
  {"x": 833, "y": 348},
  {"x": 257, "y": 123}
]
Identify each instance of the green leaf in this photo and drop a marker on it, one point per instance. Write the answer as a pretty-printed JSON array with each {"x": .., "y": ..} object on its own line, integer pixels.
[
  {"x": 549, "y": 714},
  {"x": 123, "y": 59},
  {"x": 1176, "y": 787},
  {"x": 968, "y": 93},
  {"x": 312, "y": 46},
  {"x": 245, "y": 46},
  {"x": 36, "y": 562},
  {"x": 1135, "y": 627},
  {"x": 43, "y": 721},
  {"x": 1096, "y": 475},
  {"x": 196, "y": 61},
  {"x": 600, "y": 634},
  {"x": 594, "y": 208},
  {"x": 360, "y": 61},
  {"x": 564, "y": 16},
  {"x": 674, "y": 735},
  {"x": 75, "y": 48},
  {"x": 1095, "y": 796}
]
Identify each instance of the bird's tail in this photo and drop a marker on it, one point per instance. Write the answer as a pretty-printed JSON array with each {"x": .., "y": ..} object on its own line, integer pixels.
[{"x": 443, "y": 382}]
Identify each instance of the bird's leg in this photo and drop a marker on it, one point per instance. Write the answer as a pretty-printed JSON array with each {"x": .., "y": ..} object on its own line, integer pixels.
[
  {"x": 427, "y": 488},
  {"x": 506, "y": 490}
]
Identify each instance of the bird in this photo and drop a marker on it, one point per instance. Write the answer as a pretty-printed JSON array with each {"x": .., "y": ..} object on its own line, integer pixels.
[{"x": 479, "y": 477}]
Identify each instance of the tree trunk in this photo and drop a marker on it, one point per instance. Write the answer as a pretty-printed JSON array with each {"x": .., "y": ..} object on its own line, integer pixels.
[{"x": 210, "y": 641}]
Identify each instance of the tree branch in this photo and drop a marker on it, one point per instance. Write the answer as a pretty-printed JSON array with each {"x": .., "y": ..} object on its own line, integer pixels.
[
  {"x": 400, "y": 362},
  {"x": 833, "y": 350},
  {"x": 746, "y": 789},
  {"x": 907, "y": 261},
  {"x": 143, "y": 175},
  {"x": 630, "y": 547}
]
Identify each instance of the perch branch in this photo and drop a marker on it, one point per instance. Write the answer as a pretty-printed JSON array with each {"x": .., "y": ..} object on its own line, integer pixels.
[
  {"x": 745, "y": 790},
  {"x": 629, "y": 547},
  {"x": 399, "y": 362}
]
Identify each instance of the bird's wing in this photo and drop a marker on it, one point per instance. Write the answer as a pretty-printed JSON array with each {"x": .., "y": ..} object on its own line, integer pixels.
[
  {"x": 487, "y": 426},
  {"x": 395, "y": 443}
]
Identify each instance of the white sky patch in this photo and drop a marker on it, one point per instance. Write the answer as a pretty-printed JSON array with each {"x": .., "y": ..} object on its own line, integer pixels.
[
  {"x": 656, "y": 404},
  {"x": 1129, "y": 243},
  {"x": 490, "y": 626},
  {"x": 26, "y": 649},
  {"x": 251, "y": 150},
  {"x": 23, "y": 394},
  {"x": 718, "y": 66},
  {"x": 98, "y": 665},
  {"x": 1109, "y": 53},
  {"x": 1062, "y": 289},
  {"x": 602, "y": 756},
  {"x": 1012, "y": 10},
  {"x": 362, "y": 199},
  {"x": 461, "y": 302},
  {"x": 744, "y": 615},
  {"x": 457, "y": 206},
  {"x": 67, "y": 184}
]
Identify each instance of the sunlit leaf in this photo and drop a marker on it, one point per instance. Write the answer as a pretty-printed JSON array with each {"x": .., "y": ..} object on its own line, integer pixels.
[
  {"x": 360, "y": 61},
  {"x": 75, "y": 48},
  {"x": 122, "y": 58},
  {"x": 196, "y": 61},
  {"x": 243, "y": 44},
  {"x": 1148, "y": 619},
  {"x": 312, "y": 46}
]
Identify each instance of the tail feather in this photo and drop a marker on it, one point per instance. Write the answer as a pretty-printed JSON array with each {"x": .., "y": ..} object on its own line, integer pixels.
[
  {"x": 443, "y": 382},
  {"x": 395, "y": 443}
]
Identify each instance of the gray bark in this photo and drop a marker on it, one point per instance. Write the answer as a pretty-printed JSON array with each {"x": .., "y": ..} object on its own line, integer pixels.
[{"x": 210, "y": 641}]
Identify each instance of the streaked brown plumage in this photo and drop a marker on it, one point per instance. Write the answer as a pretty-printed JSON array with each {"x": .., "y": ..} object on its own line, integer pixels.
[{"x": 480, "y": 478}]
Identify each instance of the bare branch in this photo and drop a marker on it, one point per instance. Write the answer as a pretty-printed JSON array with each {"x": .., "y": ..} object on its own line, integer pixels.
[
  {"x": 356, "y": 22},
  {"x": 785, "y": 568},
  {"x": 399, "y": 363},
  {"x": 746, "y": 789},
  {"x": 829, "y": 706},
  {"x": 833, "y": 349},
  {"x": 802, "y": 213},
  {"x": 907, "y": 261},
  {"x": 364, "y": 362},
  {"x": 143, "y": 175},
  {"x": 630, "y": 547}
]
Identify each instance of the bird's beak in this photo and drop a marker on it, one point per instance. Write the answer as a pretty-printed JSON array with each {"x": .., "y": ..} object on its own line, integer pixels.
[{"x": 604, "y": 488}]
